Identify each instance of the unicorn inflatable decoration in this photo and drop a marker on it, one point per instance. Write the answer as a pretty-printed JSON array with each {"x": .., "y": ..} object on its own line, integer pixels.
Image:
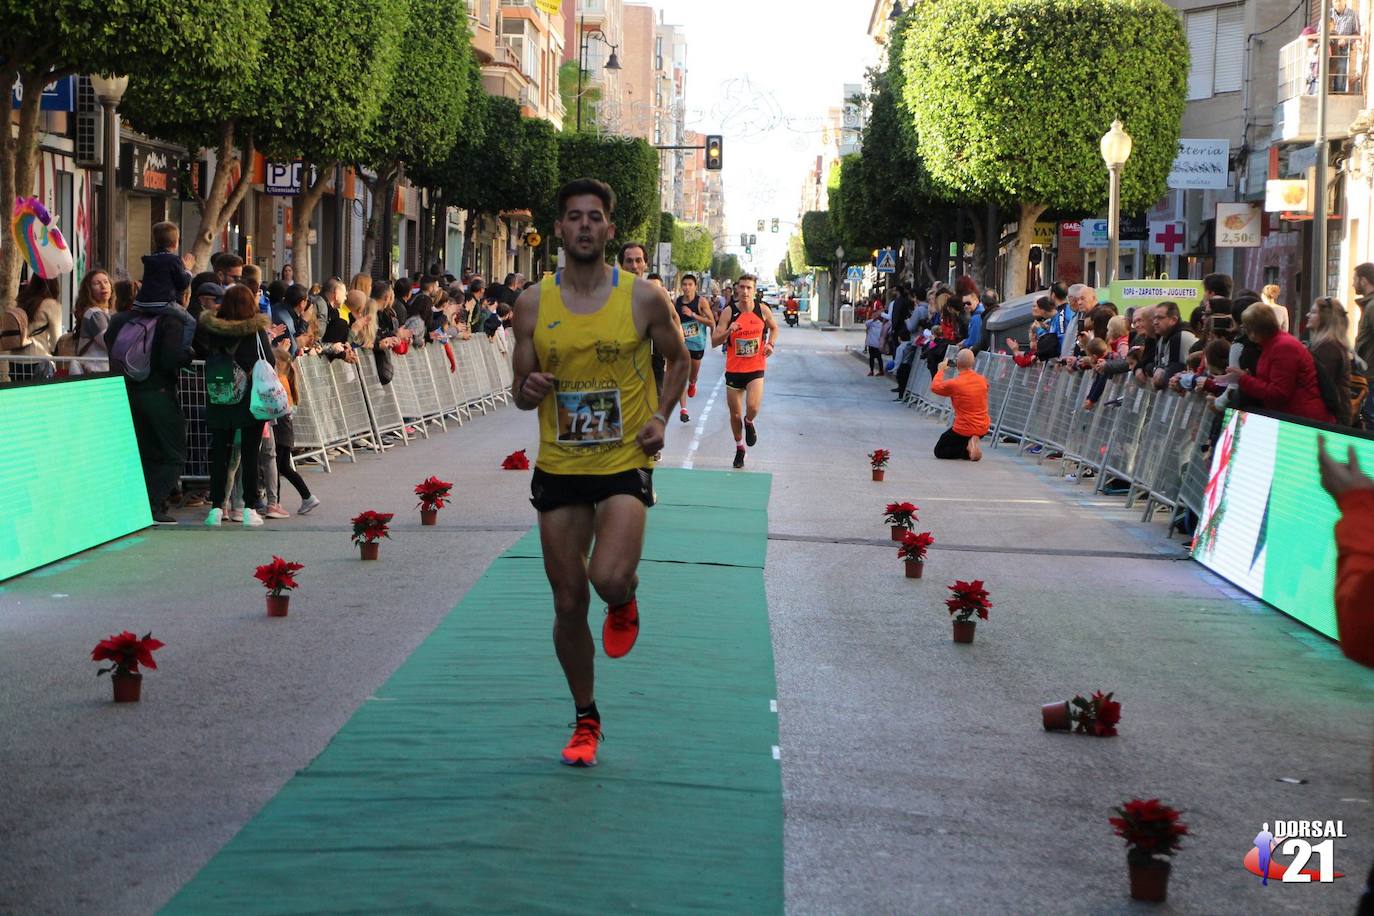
[{"x": 37, "y": 236}]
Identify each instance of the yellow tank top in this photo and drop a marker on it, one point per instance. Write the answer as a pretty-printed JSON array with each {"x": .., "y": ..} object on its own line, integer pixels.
[{"x": 603, "y": 391}]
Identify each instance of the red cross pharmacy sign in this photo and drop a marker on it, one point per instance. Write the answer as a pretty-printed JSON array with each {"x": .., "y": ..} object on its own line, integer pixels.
[{"x": 1167, "y": 237}]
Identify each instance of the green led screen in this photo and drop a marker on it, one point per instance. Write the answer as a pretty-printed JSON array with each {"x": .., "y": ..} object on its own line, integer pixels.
[
  {"x": 1267, "y": 525},
  {"x": 70, "y": 477}
]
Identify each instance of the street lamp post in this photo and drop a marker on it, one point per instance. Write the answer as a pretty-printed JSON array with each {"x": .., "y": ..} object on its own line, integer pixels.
[
  {"x": 839, "y": 278},
  {"x": 1116, "y": 149},
  {"x": 109, "y": 89},
  {"x": 612, "y": 62}
]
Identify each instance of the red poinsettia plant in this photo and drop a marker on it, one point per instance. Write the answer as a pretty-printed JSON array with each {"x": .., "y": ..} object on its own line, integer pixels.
[
  {"x": 127, "y": 651},
  {"x": 278, "y": 575},
  {"x": 969, "y": 598},
  {"x": 516, "y": 461},
  {"x": 371, "y": 526},
  {"x": 879, "y": 457},
  {"x": 1150, "y": 828},
  {"x": 1095, "y": 715},
  {"x": 902, "y": 514},
  {"x": 914, "y": 545},
  {"x": 433, "y": 494}
]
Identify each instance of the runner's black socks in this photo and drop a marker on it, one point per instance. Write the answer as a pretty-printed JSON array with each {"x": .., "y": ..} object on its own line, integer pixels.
[{"x": 589, "y": 712}]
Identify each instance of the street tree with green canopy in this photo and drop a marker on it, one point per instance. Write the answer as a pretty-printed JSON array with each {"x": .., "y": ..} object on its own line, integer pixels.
[
  {"x": 818, "y": 239},
  {"x": 692, "y": 247},
  {"x": 41, "y": 42},
  {"x": 726, "y": 267},
  {"x": 481, "y": 172},
  {"x": 432, "y": 89},
  {"x": 185, "y": 102},
  {"x": 629, "y": 165},
  {"x": 1010, "y": 99},
  {"x": 336, "y": 60}
]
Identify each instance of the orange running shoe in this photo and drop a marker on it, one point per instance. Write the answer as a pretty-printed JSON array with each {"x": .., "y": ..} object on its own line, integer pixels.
[
  {"x": 621, "y": 629},
  {"x": 692, "y": 389},
  {"x": 581, "y": 750}
]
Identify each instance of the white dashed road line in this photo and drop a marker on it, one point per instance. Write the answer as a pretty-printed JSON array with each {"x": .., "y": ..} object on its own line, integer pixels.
[{"x": 701, "y": 424}]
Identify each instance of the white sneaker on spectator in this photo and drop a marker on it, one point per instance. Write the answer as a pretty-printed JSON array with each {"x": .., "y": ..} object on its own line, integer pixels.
[
  {"x": 235, "y": 515},
  {"x": 215, "y": 517},
  {"x": 309, "y": 503},
  {"x": 251, "y": 519},
  {"x": 276, "y": 511}
]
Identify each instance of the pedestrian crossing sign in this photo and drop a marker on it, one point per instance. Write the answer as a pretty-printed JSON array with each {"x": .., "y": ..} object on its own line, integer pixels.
[
  {"x": 887, "y": 261},
  {"x": 855, "y": 275}
]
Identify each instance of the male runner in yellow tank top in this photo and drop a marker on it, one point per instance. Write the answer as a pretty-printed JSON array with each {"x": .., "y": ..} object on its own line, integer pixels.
[{"x": 582, "y": 359}]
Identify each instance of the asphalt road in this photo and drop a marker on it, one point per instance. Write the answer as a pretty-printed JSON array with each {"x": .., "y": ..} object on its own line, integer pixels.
[{"x": 917, "y": 778}]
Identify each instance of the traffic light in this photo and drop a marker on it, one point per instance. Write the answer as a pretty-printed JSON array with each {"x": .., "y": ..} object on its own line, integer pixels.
[
  {"x": 748, "y": 249},
  {"x": 760, "y": 225},
  {"x": 754, "y": 239},
  {"x": 775, "y": 224},
  {"x": 744, "y": 238},
  {"x": 714, "y": 152}
]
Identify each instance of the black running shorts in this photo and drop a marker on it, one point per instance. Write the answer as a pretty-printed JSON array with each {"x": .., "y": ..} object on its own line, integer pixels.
[
  {"x": 740, "y": 380},
  {"x": 554, "y": 491},
  {"x": 697, "y": 354}
]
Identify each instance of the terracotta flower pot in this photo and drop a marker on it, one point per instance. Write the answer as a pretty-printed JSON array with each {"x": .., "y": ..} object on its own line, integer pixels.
[
  {"x": 277, "y": 605},
  {"x": 1056, "y": 716},
  {"x": 127, "y": 687},
  {"x": 878, "y": 473},
  {"x": 898, "y": 532},
  {"x": 429, "y": 516},
  {"x": 963, "y": 630},
  {"x": 370, "y": 549},
  {"x": 914, "y": 568},
  {"x": 1149, "y": 880}
]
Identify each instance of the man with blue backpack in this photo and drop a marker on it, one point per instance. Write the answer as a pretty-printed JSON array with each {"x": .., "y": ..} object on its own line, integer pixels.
[{"x": 149, "y": 345}]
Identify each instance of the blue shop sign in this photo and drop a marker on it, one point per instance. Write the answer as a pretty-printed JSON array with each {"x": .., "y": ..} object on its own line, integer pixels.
[{"x": 58, "y": 96}]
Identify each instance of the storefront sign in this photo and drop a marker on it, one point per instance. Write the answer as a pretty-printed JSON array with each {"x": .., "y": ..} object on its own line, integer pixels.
[
  {"x": 1201, "y": 164},
  {"x": 150, "y": 170},
  {"x": 552, "y": 7},
  {"x": 283, "y": 179},
  {"x": 1095, "y": 234},
  {"x": 1042, "y": 234},
  {"x": 1167, "y": 237},
  {"x": 1134, "y": 294},
  {"x": 58, "y": 96},
  {"x": 1285, "y": 194},
  {"x": 1238, "y": 225}
]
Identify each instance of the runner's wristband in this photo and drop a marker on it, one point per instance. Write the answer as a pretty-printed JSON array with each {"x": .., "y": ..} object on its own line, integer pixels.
[{"x": 661, "y": 419}]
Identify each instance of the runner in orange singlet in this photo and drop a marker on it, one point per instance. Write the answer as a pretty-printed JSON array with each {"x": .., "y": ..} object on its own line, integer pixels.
[{"x": 750, "y": 335}]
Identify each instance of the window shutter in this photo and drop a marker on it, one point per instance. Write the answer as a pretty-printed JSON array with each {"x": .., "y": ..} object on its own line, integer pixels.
[
  {"x": 1202, "y": 37},
  {"x": 1229, "y": 66}
]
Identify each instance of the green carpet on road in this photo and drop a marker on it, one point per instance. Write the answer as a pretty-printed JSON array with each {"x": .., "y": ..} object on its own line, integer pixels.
[{"x": 443, "y": 793}]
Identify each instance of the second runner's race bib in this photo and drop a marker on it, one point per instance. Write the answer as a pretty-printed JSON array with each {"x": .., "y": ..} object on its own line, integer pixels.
[
  {"x": 747, "y": 346},
  {"x": 589, "y": 417}
]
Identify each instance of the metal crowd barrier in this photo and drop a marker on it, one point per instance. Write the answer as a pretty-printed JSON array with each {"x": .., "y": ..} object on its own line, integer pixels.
[
  {"x": 342, "y": 406},
  {"x": 1155, "y": 444}
]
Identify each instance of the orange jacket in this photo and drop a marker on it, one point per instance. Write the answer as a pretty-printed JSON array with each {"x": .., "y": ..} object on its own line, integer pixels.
[
  {"x": 1355, "y": 575},
  {"x": 968, "y": 392}
]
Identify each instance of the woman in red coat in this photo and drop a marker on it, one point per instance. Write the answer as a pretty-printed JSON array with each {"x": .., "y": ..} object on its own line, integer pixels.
[{"x": 1285, "y": 381}]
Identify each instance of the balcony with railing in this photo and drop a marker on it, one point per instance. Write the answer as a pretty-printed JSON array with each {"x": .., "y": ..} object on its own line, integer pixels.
[{"x": 1295, "y": 114}]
